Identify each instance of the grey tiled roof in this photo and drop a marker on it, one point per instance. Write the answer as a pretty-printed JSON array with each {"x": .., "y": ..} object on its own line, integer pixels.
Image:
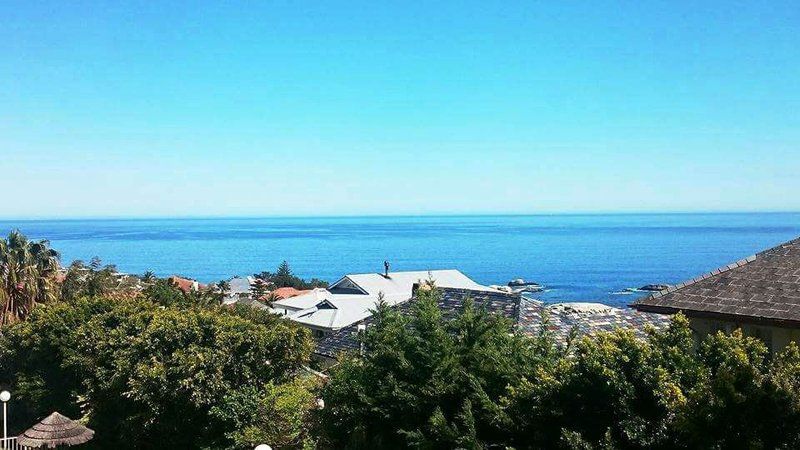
[
  {"x": 525, "y": 313},
  {"x": 451, "y": 303},
  {"x": 762, "y": 288},
  {"x": 562, "y": 322}
]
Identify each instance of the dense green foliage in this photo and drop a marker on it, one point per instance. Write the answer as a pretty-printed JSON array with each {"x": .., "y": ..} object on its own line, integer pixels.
[
  {"x": 260, "y": 289},
  {"x": 283, "y": 277},
  {"x": 27, "y": 276},
  {"x": 92, "y": 280},
  {"x": 160, "y": 371},
  {"x": 469, "y": 383},
  {"x": 165, "y": 293}
]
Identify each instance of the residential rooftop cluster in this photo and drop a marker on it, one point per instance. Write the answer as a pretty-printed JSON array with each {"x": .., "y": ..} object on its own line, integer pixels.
[
  {"x": 564, "y": 321},
  {"x": 759, "y": 294},
  {"x": 334, "y": 314}
]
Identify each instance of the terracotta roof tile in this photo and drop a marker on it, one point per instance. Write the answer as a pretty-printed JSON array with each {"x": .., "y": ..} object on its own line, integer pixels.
[
  {"x": 287, "y": 292},
  {"x": 185, "y": 284}
]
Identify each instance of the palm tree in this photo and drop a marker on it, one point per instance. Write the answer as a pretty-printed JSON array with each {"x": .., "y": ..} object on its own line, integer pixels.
[
  {"x": 149, "y": 277},
  {"x": 269, "y": 299},
  {"x": 223, "y": 287},
  {"x": 28, "y": 272}
]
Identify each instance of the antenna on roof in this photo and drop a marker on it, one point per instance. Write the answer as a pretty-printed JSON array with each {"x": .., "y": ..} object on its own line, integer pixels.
[{"x": 386, "y": 269}]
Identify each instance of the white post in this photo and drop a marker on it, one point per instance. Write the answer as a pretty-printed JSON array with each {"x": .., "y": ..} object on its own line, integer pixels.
[
  {"x": 5, "y": 426},
  {"x": 5, "y": 396}
]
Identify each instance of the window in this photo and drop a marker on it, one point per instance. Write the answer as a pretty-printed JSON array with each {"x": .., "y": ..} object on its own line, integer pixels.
[{"x": 345, "y": 287}]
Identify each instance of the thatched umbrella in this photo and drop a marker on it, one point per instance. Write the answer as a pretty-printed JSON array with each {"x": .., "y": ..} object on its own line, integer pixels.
[{"x": 53, "y": 431}]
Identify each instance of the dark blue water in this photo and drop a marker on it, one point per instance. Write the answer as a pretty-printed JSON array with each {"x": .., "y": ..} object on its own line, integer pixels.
[{"x": 578, "y": 257}]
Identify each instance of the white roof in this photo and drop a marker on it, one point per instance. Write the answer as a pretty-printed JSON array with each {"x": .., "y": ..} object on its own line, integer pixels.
[
  {"x": 325, "y": 309},
  {"x": 337, "y": 312},
  {"x": 403, "y": 282},
  {"x": 304, "y": 301},
  {"x": 240, "y": 285}
]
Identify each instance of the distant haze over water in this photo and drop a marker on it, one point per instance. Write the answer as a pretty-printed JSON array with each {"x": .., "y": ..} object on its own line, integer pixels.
[{"x": 577, "y": 257}]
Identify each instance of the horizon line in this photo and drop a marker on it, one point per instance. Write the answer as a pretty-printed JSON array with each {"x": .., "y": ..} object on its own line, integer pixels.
[{"x": 398, "y": 215}]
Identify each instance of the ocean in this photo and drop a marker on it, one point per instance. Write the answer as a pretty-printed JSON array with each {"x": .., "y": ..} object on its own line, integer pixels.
[{"x": 576, "y": 257}]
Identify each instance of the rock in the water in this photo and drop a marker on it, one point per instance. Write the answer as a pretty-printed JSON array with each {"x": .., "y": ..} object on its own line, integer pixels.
[
  {"x": 519, "y": 282},
  {"x": 654, "y": 287}
]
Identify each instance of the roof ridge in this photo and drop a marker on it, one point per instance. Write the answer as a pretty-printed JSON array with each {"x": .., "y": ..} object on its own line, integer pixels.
[
  {"x": 717, "y": 271},
  {"x": 699, "y": 278},
  {"x": 782, "y": 244}
]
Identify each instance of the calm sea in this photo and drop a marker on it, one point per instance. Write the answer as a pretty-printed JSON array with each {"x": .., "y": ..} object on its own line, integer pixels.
[{"x": 577, "y": 257}]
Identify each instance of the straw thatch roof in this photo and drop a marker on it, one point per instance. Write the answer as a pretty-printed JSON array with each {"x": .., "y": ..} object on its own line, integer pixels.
[{"x": 53, "y": 431}]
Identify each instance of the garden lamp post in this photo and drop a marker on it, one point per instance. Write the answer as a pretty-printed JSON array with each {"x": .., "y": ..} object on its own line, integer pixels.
[
  {"x": 263, "y": 447},
  {"x": 5, "y": 396}
]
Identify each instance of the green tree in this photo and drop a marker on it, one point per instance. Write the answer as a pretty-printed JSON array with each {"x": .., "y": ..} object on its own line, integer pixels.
[
  {"x": 149, "y": 277},
  {"x": 259, "y": 289},
  {"x": 223, "y": 287},
  {"x": 425, "y": 382},
  {"x": 145, "y": 375},
  {"x": 616, "y": 391},
  {"x": 165, "y": 293},
  {"x": 282, "y": 415},
  {"x": 28, "y": 271},
  {"x": 729, "y": 406},
  {"x": 92, "y": 280},
  {"x": 469, "y": 383},
  {"x": 284, "y": 277}
]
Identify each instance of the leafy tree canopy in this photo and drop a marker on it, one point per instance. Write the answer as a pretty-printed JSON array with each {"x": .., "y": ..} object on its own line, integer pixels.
[
  {"x": 28, "y": 271},
  {"x": 284, "y": 277},
  {"x": 158, "y": 373},
  {"x": 472, "y": 383}
]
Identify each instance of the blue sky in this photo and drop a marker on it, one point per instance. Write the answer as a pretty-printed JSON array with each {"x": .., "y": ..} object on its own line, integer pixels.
[{"x": 307, "y": 108}]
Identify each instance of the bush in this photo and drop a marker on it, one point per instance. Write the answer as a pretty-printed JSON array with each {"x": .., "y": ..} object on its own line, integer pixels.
[
  {"x": 145, "y": 375},
  {"x": 427, "y": 383},
  {"x": 471, "y": 383}
]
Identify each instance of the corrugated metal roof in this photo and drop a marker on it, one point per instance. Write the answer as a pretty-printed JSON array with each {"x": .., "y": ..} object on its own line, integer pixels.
[
  {"x": 403, "y": 282},
  {"x": 350, "y": 308}
]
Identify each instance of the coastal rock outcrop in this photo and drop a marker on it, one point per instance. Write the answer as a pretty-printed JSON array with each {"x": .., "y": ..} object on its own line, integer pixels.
[
  {"x": 520, "y": 285},
  {"x": 654, "y": 287}
]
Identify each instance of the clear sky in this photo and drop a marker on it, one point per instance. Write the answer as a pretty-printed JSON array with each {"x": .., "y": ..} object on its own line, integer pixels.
[{"x": 321, "y": 107}]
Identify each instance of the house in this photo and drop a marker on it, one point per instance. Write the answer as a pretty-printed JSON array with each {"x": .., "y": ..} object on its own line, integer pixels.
[
  {"x": 239, "y": 289},
  {"x": 309, "y": 299},
  {"x": 759, "y": 294},
  {"x": 287, "y": 292},
  {"x": 352, "y": 297},
  {"x": 186, "y": 284},
  {"x": 564, "y": 320}
]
